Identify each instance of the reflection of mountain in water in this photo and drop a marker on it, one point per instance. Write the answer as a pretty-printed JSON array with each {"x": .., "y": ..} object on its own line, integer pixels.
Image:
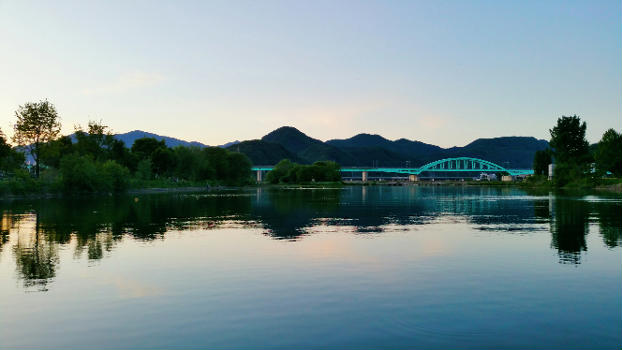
[{"x": 36, "y": 229}]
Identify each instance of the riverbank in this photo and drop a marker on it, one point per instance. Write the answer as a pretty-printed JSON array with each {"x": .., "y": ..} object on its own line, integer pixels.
[
  {"x": 42, "y": 190},
  {"x": 604, "y": 185}
]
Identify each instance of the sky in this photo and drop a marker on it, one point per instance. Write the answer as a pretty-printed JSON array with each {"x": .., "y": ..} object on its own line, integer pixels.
[{"x": 441, "y": 72}]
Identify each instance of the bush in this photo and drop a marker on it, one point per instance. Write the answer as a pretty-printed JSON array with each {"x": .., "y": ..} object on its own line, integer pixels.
[
  {"x": 82, "y": 174},
  {"x": 287, "y": 172},
  {"x": 143, "y": 169},
  {"x": 115, "y": 177},
  {"x": 79, "y": 174},
  {"x": 239, "y": 168},
  {"x": 571, "y": 174},
  {"x": 280, "y": 170}
]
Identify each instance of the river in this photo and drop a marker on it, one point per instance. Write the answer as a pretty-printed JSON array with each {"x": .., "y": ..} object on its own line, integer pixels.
[{"x": 360, "y": 267}]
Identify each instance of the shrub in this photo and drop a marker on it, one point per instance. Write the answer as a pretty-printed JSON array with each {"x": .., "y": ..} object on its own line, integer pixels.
[
  {"x": 79, "y": 174},
  {"x": 287, "y": 172},
  {"x": 115, "y": 177},
  {"x": 143, "y": 169}
]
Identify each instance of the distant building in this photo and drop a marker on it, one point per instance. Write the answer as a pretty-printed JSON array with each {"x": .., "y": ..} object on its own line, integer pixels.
[{"x": 551, "y": 170}]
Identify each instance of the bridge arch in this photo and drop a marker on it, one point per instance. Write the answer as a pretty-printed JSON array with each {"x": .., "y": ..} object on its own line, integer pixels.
[{"x": 462, "y": 164}]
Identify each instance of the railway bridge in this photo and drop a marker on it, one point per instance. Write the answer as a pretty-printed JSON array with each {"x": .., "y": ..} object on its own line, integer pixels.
[{"x": 447, "y": 165}]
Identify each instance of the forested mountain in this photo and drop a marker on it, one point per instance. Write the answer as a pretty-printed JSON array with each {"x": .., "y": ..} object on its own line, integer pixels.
[
  {"x": 513, "y": 151},
  {"x": 365, "y": 149},
  {"x": 264, "y": 153},
  {"x": 130, "y": 137},
  {"x": 291, "y": 138},
  {"x": 375, "y": 150}
]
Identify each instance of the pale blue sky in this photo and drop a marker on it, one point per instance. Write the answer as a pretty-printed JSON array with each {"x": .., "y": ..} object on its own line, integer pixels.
[{"x": 442, "y": 72}]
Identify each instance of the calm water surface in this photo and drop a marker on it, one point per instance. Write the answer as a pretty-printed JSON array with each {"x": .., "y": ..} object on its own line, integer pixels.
[{"x": 361, "y": 267}]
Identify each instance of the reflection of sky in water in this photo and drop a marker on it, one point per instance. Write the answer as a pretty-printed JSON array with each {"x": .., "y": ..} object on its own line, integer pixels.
[{"x": 358, "y": 267}]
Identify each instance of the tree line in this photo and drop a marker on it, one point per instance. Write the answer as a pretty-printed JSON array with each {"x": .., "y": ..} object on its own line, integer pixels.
[
  {"x": 575, "y": 161},
  {"x": 287, "y": 171},
  {"x": 92, "y": 160}
]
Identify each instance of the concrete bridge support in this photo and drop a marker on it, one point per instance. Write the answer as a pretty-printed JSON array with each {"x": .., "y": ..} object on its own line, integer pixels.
[
  {"x": 364, "y": 176},
  {"x": 259, "y": 176},
  {"x": 413, "y": 178}
]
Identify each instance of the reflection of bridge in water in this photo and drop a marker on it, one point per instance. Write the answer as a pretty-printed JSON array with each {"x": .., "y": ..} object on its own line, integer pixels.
[{"x": 447, "y": 165}]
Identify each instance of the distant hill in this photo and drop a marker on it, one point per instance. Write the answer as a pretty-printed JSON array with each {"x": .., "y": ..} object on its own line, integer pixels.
[
  {"x": 228, "y": 144},
  {"x": 130, "y": 137},
  {"x": 364, "y": 149},
  {"x": 322, "y": 151},
  {"x": 509, "y": 151},
  {"x": 263, "y": 153},
  {"x": 375, "y": 150},
  {"x": 291, "y": 138},
  {"x": 402, "y": 146}
]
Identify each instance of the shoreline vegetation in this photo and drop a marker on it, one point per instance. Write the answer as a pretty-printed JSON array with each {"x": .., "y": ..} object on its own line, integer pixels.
[
  {"x": 91, "y": 161},
  {"x": 159, "y": 187}
]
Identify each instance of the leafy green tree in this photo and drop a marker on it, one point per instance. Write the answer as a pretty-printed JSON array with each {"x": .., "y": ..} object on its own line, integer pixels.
[
  {"x": 144, "y": 169},
  {"x": 97, "y": 141},
  {"x": 280, "y": 170},
  {"x": 609, "y": 153},
  {"x": 115, "y": 176},
  {"x": 328, "y": 171},
  {"x": 568, "y": 141},
  {"x": 37, "y": 123},
  {"x": 122, "y": 155},
  {"x": 239, "y": 167},
  {"x": 189, "y": 163},
  {"x": 163, "y": 160},
  {"x": 541, "y": 161},
  {"x": 10, "y": 159},
  {"x": 287, "y": 172},
  {"x": 79, "y": 174},
  {"x": 54, "y": 150},
  {"x": 217, "y": 158},
  {"x": 571, "y": 151},
  {"x": 144, "y": 147}
]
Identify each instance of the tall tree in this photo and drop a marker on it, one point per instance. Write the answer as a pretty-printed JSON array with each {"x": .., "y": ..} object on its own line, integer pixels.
[
  {"x": 609, "y": 153},
  {"x": 568, "y": 141},
  {"x": 97, "y": 141},
  {"x": 541, "y": 161},
  {"x": 10, "y": 159},
  {"x": 37, "y": 123}
]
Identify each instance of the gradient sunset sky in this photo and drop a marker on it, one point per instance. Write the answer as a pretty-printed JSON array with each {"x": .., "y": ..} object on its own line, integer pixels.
[{"x": 442, "y": 72}]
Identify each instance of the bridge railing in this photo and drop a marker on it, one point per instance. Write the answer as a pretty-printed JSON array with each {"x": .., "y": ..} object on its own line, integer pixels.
[{"x": 459, "y": 164}]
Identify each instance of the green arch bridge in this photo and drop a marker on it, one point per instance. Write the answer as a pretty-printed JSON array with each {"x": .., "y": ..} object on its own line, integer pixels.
[{"x": 459, "y": 164}]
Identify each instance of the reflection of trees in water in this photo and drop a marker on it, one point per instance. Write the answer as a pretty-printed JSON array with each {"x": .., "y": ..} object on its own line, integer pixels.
[
  {"x": 286, "y": 213},
  {"x": 6, "y": 223},
  {"x": 95, "y": 225},
  {"x": 570, "y": 219},
  {"x": 36, "y": 256},
  {"x": 569, "y": 226},
  {"x": 610, "y": 222}
]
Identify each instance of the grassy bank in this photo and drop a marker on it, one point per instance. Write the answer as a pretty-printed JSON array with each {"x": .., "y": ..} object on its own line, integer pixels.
[{"x": 27, "y": 186}]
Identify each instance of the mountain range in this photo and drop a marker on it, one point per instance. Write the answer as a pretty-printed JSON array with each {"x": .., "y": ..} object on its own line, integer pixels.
[
  {"x": 365, "y": 149},
  {"x": 129, "y": 137}
]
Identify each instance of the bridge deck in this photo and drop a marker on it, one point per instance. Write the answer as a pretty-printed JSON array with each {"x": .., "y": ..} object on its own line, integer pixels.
[
  {"x": 414, "y": 171},
  {"x": 459, "y": 164}
]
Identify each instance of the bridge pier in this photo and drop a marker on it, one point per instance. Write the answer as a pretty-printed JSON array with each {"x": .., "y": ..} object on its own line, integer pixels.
[
  {"x": 413, "y": 178},
  {"x": 364, "y": 176},
  {"x": 259, "y": 176}
]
